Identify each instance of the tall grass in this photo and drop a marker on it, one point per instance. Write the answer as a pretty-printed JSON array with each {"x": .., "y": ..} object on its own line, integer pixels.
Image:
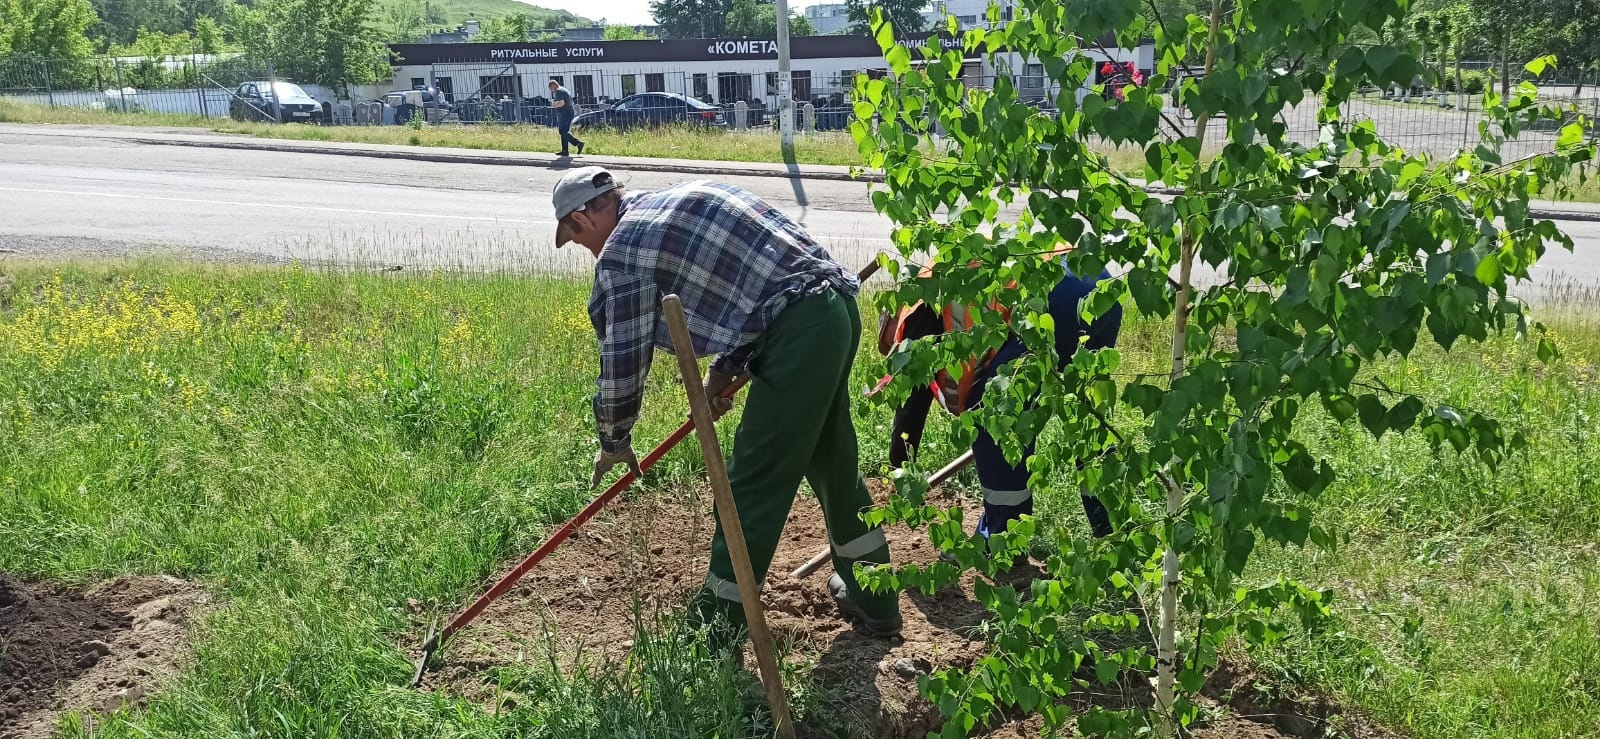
[{"x": 319, "y": 446}]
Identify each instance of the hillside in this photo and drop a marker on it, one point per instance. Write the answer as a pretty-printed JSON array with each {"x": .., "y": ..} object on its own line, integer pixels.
[{"x": 455, "y": 11}]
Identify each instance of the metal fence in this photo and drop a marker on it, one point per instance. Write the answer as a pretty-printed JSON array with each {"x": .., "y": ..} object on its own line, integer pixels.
[
  {"x": 199, "y": 85},
  {"x": 214, "y": 86}
]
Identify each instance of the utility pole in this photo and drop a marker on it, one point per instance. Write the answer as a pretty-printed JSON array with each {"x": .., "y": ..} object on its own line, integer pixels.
[{"x": 785, "y": 85}]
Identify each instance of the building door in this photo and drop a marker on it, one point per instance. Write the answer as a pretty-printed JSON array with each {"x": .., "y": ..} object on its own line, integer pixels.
[
  {"x": 800, "y": 79},
  {"x": 700, "y": 91},
  {"x": 446, "y": 87}
]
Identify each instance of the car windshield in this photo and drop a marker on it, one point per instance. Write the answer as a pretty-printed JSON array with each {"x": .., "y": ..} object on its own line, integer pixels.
[{"x": 289, "y": 90}]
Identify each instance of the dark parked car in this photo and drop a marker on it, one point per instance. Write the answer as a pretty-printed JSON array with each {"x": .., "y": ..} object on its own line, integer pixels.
[
  {"x": 650, "y": 109},
  {"x": 253, "y": 102}
]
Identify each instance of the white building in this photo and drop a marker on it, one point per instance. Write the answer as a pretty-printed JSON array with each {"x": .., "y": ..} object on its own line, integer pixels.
[
  {"x": 969, "y": 14},
  {"x": 829, "y": 18},
  {"x": 717, "y": 70}
]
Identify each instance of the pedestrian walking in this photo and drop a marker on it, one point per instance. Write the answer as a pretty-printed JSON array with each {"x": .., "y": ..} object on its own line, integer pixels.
[
  {"x": 561, "y": 100},
  {"x": 769, "y": 302},
  {"x": 1006, "y": 495}
]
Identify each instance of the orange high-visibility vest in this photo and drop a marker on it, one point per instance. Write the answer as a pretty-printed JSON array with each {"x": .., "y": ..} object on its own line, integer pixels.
[{"x": 951, "y": 393}]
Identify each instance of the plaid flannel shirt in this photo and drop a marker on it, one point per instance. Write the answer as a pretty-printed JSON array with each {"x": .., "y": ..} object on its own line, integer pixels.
[{"x": 733, "y": 259}]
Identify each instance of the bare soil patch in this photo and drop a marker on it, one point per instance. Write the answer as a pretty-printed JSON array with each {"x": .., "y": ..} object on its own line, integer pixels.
[
  {"x": 581, "y": 604},
  {"x": 98, "y": 650}
]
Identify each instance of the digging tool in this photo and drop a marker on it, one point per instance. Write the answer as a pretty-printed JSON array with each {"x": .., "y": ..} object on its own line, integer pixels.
[
  {"x": 937, "y": 478},
  {"x": 728, "y": 515},
  {"x": 504, "y": 585},
  {"x": 510, "y": 580}
]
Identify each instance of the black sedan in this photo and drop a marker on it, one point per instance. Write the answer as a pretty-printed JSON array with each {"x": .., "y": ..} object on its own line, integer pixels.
[{"x": 650, "y": 109}]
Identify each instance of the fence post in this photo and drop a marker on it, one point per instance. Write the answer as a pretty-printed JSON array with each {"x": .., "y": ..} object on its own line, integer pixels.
[
  {"x": 121, "y": 96},
  {"x": 272, "y": 86},
  {"x": 199, "y": 87},
  {"x": 49, "y": 89}
]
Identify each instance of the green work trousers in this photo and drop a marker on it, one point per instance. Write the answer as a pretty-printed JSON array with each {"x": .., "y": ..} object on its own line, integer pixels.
[{"x": 796, "y": 424}]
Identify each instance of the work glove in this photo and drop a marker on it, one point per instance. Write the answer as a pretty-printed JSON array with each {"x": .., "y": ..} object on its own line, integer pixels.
[
  {"x": 603, "y": 462},
  {"x": 717, "y": 384}
]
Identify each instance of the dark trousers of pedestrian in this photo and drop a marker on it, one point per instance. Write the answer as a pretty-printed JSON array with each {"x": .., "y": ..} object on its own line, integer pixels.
[{"x": 564, "y": 125}]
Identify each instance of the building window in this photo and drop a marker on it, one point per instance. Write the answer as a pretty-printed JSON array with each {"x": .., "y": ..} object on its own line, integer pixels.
[
  {"x": 800, "y": 79},
  {"x": 700, "y": 88},
  {"x": 772, "y": 84},
  {"x": 967, "y": 20},
  {"x": 446, "y": 88},
  {"x": 583, "y": 88},
  {"x": 847, "y": 80},
  {"x": 630, "y": 84},
  {"x": 732, "y": 87},
  {"x": 655, "y": 82},
  {"x": 499, "y": 86},
  {"x": 417, "y": 83},
  {"x": 1033, "y": 76}
]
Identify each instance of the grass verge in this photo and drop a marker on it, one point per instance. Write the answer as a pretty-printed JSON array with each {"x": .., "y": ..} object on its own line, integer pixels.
[
  {"x": 835, "y": 148},
  {"x": 318, "y": 447}
]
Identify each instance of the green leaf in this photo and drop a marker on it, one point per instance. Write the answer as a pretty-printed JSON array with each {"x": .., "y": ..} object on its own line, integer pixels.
[
  {"x": 1341, "y": 405},
  {"x": 1272, "y": 216},
  {"x": 1379, "y": 58},
  {"x": 1403, "y": 414},
  {"x": 1439, "y": 266},
  {"x": 1488, "y": 271},
  {"x": 1241, "y": 542},
  {"x": 1373, "y": 415},
  {"x": 1152, "y": 293},
  {"x": 899, "y": 59},
  {"x": 1106, "y": 670},
  {"x": 1547, "y": 350},
  {"x": 1571, "y": 134},
  {"x": 1537, "y": 66}
]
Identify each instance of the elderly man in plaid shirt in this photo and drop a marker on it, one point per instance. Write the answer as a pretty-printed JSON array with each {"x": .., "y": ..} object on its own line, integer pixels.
[{"x": 763, "y": 297}]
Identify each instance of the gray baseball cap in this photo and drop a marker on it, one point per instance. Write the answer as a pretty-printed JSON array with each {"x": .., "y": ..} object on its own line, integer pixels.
[{"x": 578, "y": 187}]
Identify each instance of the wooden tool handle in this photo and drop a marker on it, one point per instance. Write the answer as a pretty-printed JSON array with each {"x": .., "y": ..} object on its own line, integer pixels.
[{"x": 728, "y": 515}]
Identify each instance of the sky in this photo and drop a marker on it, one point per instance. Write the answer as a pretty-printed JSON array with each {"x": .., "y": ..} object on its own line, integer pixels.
[{"x": 631, "y": 12}]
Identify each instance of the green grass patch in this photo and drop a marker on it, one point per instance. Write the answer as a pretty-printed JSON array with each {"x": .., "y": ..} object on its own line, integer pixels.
[
  {"x": 317, "y": 447},
  {"x": 699, "y": 144}
]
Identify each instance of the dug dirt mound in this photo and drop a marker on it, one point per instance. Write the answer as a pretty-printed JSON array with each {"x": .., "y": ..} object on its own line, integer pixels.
[
  {"x": 653, "y": 556},
  {"x": 96, "y": 650}
]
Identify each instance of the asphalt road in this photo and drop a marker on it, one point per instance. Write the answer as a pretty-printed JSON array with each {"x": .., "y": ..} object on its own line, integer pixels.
[
  {"x": 96, "y": 196},
  {"x": 93, "y": 195}
]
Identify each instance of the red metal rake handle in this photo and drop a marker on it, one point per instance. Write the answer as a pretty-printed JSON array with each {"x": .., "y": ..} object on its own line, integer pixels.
[{"x": 528, "y": 563}]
